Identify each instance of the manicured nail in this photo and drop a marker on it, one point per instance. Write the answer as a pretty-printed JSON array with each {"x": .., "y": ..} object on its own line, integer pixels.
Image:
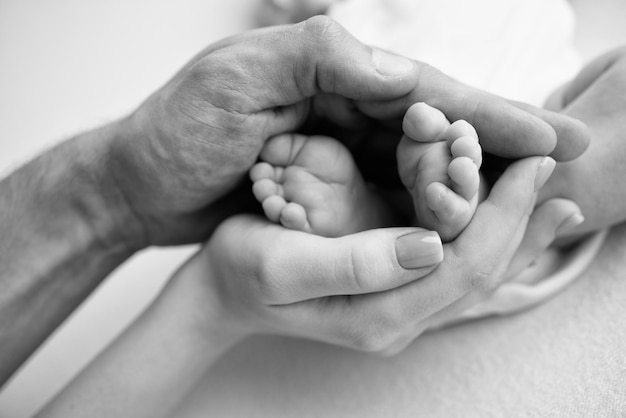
[
  {"x": 419, "y": 249},
  {"x": 390, "y": 65},
  {"x": 544, "y": 171},
  {"x": 570, "y": 223}
]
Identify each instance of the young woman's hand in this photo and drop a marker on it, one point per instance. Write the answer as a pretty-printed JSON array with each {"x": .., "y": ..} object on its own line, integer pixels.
[{"x": 376, "y": 290}]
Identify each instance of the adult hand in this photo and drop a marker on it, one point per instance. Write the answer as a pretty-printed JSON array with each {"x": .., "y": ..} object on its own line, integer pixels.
[
  {"x": 193, "y": 140},
  {"x": 595, "y": 181},
  {"x": 369, "y": 290}
]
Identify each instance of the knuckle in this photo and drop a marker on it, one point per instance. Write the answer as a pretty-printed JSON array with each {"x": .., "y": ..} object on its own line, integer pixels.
[
  {"x": 371, "y": 342},
  {"x": 482, "y": 276},
  {"x": 360, "y": 270},
  {"x": 475, "y": 273},
  {"x": 217, "y": 81},
  {"x": 322, "y": 27},
  {"x": 369, "y": 267},
  {"x": 483, "y": 281},
  {"x": 396, "y": 348},
  {"x": 268, "y": 279},
  {"x": 380, "y": 332}
]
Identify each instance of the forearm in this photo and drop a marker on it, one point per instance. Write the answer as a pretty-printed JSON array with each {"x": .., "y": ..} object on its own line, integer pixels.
[
  {"x": 60, "y": 221},
  {"x": 159, "y": 359}
]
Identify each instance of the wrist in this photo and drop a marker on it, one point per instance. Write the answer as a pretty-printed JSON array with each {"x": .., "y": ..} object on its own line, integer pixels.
[
  {"x": 63, "y": 232},
  {"x": 194, "y": 293},
  {"x": 99, "y": 198}
]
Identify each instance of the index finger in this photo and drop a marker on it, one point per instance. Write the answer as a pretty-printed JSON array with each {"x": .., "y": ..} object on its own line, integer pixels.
[
  {"x": 506, "y": 128},
  {"x": 293, "y": 266}
]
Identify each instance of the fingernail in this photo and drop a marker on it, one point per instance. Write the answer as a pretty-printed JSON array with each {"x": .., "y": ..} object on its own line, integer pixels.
[
  {"x": 544, "y": 171},
  {"x": 390, "y": 65},
  {"x": 570, "y": 223},
  {"x": 419, "y": 249}
]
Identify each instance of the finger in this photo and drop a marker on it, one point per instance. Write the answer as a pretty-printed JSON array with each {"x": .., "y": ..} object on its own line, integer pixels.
[
  {"x": 485, "y": 289},
  {"x": 507, "y": 205},
  {"x": 549, "y": 219},
  {"x": 293, "y": 266},
  {"x": 290, "y": 63},
  {"x": 385, "y": 320},
  {"x": 503, "y": 128},
  {"x": 589, "y": 74},
  {"x": 573, "y": 135},
  {"x": 472, "y": 260},
  {"x": 553, "y": 217},
  {"x": 508, "y": 129}
]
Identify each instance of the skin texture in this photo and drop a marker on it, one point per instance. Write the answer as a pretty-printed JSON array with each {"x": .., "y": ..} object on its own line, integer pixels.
[
  {"x": 258, "y": 277},
  {"x": 209, "y": 123},
  {"x": 595, "y": 180},
  {"x": 167, "y": 173}
]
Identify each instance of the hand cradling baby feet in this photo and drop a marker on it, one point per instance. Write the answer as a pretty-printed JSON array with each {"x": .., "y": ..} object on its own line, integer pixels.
[
  {"x": 312, "y": 184},
  {"x": 439, "y": 164}
]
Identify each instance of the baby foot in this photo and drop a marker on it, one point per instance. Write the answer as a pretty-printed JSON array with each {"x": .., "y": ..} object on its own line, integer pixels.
[
  {"x": 311, "y": 184},
  {"x": 438, "y": 163}
]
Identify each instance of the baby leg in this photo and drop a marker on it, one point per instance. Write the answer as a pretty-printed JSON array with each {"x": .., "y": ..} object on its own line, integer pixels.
[
  {"x": 438, "y": 163},
  {"x": 311, "y": 184}
]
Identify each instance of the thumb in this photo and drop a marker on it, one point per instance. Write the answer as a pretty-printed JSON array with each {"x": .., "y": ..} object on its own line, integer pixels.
[
  {"x": 546, "y": 222},
  {"x": 293, "y": 266},
  {"x": 293, "y": 62}
]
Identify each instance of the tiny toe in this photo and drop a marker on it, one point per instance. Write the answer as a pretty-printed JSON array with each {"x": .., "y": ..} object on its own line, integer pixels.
[
  {"x": 273, "y": 206},
  {"x": 276, "y": 150},
  {"x": 458, "y": 129},
  {"x": 260, "y": 171},
  {"x": 452, "y": 211},
  {"x": 293, "y": 216},
  {"x": 465, "y": 178},
  {"x": 265, "y": 188},
  {"x": 280, "y": 150},
  {"x": 423, "y": 123},
  {"x": 467, "y": 146}
]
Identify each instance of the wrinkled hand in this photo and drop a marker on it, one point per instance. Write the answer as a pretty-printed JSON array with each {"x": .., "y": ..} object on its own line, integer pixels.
[
  {"x": 353, "y": 290},
  {"x": 595, "y": 181},
  {"x": 192, "y": 141}
]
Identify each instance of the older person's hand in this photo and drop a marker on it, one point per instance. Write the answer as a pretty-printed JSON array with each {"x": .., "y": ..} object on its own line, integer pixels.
[
  {"x": 164, "y": 174},
  {"x": 597, "y": 96},
  {"x": 193, "y": 141}
]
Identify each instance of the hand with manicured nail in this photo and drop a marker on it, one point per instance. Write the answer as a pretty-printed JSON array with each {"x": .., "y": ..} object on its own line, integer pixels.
[
  {"x": 164, "y": 175},
  {"x": 375, "y": 290}
]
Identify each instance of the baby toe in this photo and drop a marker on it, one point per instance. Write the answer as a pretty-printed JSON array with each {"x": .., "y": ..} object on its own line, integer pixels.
[
  {"x": 273, "y": 206},
  {"x": 265, "y": 188},
  {"x": 293, "y": 216},
  {"x": 261, "y": 171},
  {"x": 276, "y": 150},
  {"x": 465, "y": 178},
  {"x": 467, "y": 146},
  {"x": 453, "y": 212},
  {"x": 424, "y": 123},
  {"x": 458, "y": 129}
]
